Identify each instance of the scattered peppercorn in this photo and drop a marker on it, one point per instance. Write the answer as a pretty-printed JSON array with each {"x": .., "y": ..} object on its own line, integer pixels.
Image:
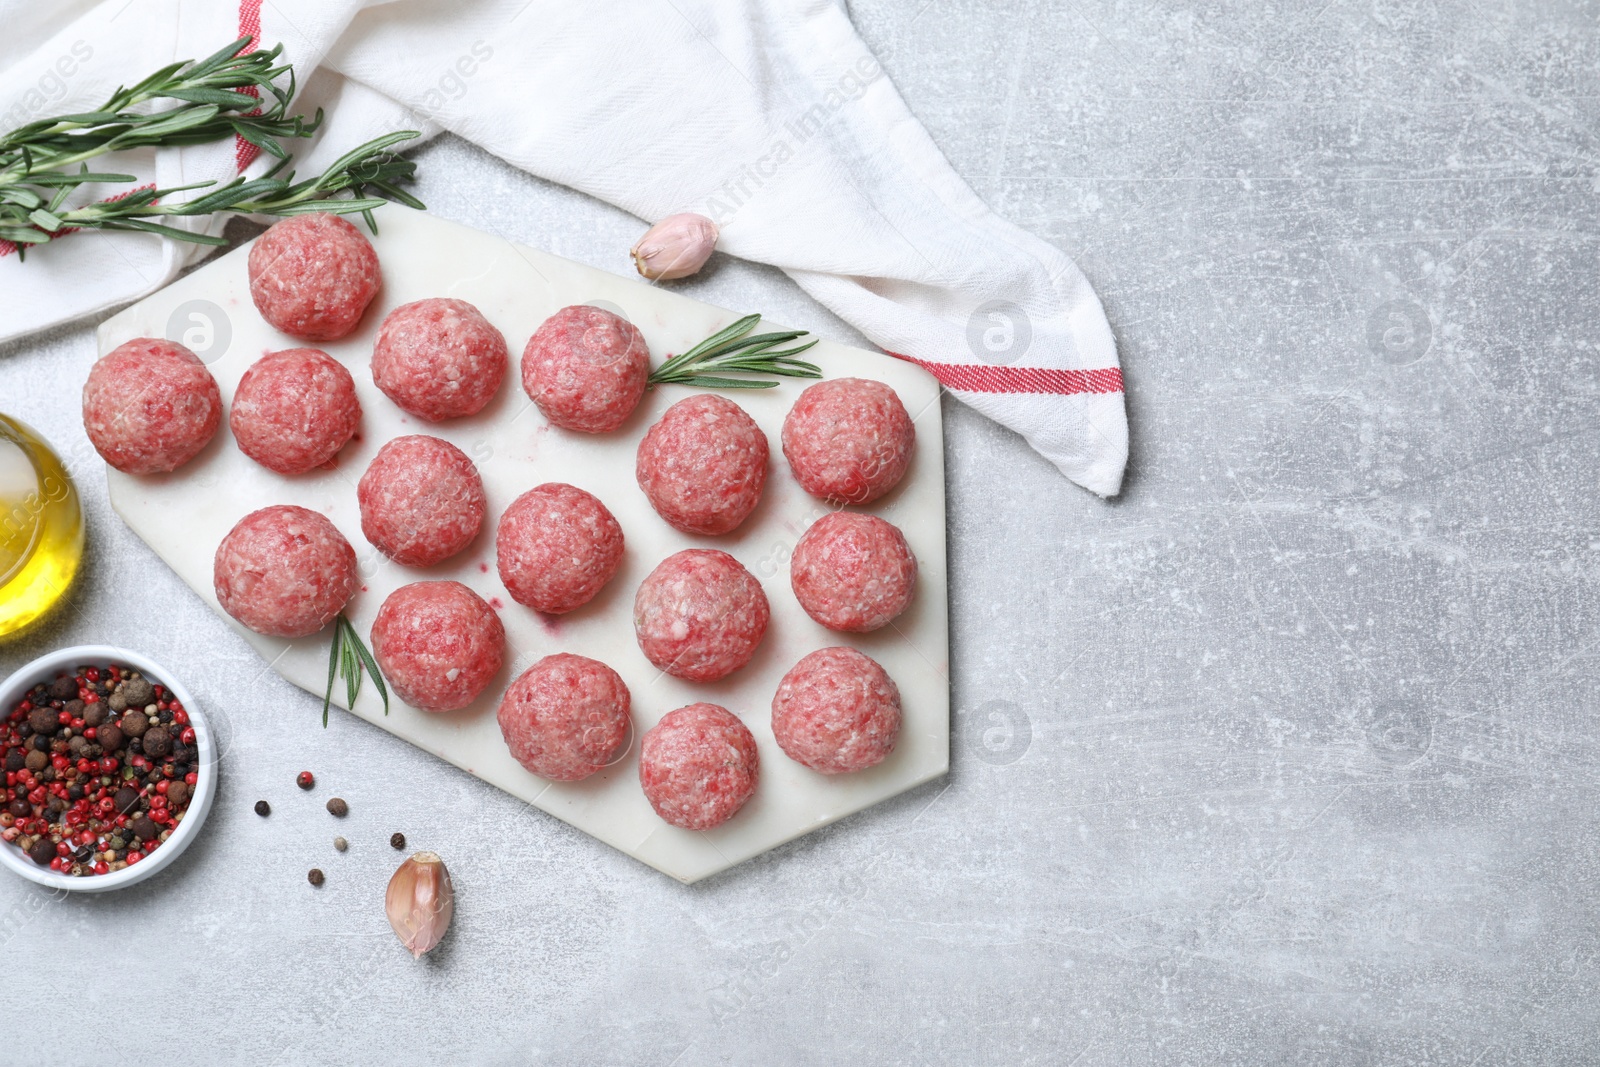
[
  {"x": 337, "y": 806},
  {"x": 397, "y": 840},
  {"x": 263, "y": 809},
  {"x": 314, "y": 876},
  {"x": 305, "y": 780},
  {"x": 340, "y": 843}
]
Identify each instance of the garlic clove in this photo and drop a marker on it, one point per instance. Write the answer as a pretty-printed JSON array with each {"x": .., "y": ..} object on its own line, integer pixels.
[
  {"x": 675, "y": 247},
  {"x": 420, "y": 902}
]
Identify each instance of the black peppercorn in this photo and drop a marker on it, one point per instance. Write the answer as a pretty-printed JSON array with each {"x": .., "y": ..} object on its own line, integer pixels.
[
  {"x": 75, "y": 791},
  {"x": 314, "y": 876},
  {"x": 137, "y": 692},
  {"x": 126, "y": 800},
  {"x": 143, "y": 827},
  {"x": 21, "y": 808},
  {"x": 397, "y": 840},
  {"x": 15, "y": 760},
  {"x": 41, "y": 743},
  {"x": 156, "y": 742},
  {"x": 263, "y": 809},
  {"x": 64, "y": 688}
]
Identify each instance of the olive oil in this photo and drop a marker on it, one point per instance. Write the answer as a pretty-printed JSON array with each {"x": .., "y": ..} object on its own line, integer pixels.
[{"x": 41, "y": 527}]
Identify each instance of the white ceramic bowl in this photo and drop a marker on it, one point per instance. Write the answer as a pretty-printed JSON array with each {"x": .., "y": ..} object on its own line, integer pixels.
[{"x": 64, "y": 661}]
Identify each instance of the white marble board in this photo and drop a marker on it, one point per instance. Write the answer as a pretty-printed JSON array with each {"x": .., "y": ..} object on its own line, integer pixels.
[{"x": 184, "y": 515}]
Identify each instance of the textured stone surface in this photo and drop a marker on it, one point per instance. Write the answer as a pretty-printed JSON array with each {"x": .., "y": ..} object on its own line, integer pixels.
[{"x": 1286, "y": 756}]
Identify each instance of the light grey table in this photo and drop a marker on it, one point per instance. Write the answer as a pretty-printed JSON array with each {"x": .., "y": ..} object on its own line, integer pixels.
[{"x": 1287, "y": 756}]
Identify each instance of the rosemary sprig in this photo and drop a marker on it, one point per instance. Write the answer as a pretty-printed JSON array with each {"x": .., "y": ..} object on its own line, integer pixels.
[
  {"x": 731, "y": 350},
  {"x": 215, "y": 97},
  {"x": 347, "y": 658}
]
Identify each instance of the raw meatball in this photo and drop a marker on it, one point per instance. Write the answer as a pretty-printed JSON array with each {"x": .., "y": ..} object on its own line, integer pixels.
[
  {"x": 294, "y": 410},
  {"x": 566, "y": 717},
  {"x": 556, "y": 547},
  {"x": 853, "y": 572},
  {"x": 438, "y": 644},
  {"x": 439, "y": 359},
  {"x": 700, "y": 615},
  {"x": 284, "y": 571},
  {"x": 836, "y": 712},
  {"x": 848, "y": 439},
  {"x": 421, "y": 500},
  {"x": 312, "y": 276},
  {"x": 586, "y": 369},
  {"x": 150, "y": 406},
  {"x": 698, "y": 766},
  {"x": 703, "y": 465}
]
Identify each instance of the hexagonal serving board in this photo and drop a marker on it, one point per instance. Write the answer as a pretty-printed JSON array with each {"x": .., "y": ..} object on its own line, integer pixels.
[{"x": 184, "y": 515}]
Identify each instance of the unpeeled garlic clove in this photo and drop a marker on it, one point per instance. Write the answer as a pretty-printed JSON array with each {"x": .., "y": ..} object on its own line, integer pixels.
[
  {"x": 420, "y": 902},
  {"x": 675, "y": 247}
]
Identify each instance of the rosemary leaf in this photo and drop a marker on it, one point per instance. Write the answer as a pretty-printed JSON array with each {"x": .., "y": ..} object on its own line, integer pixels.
[
  {"x": 224, "y": 95},
  {"x": 729, "y": 349},
  {"x": 348, "y": 658}
]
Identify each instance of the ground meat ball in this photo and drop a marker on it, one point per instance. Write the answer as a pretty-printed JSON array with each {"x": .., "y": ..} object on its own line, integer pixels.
[
  {"x": 703, "y": 465},
  {"x": 312, "y": 276},
  {"x": 556, "y": 546},
  {"x": 586, "y": 369},
  {"x": 150, "y": 406},
  {"x": 836, "y": 712},
  {"x": 439, "y": 359},
  {"x": 438, "y": 644},
  {"x": 853, "y": 572},
  {"x": 698, "y": 766},
  {"x": 700, "y": 615},
  {"x": 421, "y": 500},
  {"x": 566, "y": 717},
  {"x": 294, "y": 410},
  {"x": 284, "y": 571},
  {"x": 848, "y": 440}
]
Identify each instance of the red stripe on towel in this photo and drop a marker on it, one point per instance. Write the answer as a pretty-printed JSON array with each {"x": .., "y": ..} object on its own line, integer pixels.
[{"x": 987, "y": 378}]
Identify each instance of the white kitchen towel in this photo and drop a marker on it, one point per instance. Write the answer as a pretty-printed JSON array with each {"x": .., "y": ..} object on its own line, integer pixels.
[{"x": 772, "y": 118}]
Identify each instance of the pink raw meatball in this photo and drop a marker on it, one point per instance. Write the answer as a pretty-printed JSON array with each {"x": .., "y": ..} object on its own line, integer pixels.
[
  {"x": 294, "y": 410},
  {"x": 848, "y": 439},
  {"x": 566, "y": 717},
  {"x": 586, "y": 369},
  {"x": 284, "y": 571},
  {"x": 439, "y": 359},
  {"x": 853, "y": 572},
  {"x": 698, "y": 766},
  {"x": 556, "y": 546},
  {"x": 438, "y": 644},
  {"x": 836, "y": 712},
  {"x": 150, "y": 406},
  {"x": 421, "y": 500},
  {"x": 700, "y": 615},
  {"x": 312, "y": 276},
  {"x": 703, "y": 465}
]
